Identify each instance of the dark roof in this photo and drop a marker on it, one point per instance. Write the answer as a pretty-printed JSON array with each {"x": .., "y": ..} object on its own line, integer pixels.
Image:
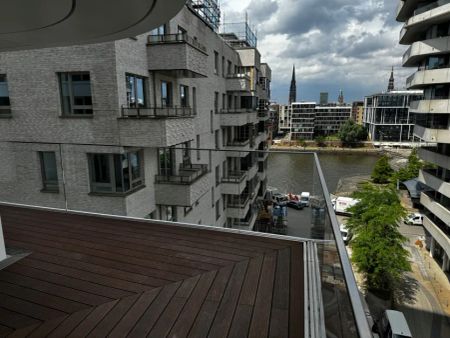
[
  {"x": 415, "y": 187},
  {"x": 96, "y": 276}
]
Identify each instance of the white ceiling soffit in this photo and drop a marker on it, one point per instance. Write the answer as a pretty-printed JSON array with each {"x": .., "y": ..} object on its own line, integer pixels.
[{"x": 26, "y": 24}]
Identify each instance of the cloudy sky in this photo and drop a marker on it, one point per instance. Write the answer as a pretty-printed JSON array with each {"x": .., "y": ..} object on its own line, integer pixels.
[{"x": 335, "y": 44}]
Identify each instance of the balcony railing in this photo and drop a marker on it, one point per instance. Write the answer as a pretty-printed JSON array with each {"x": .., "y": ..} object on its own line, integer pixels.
[
  {"x": 238, "y": 143},
  {"x": 235, "y": 111},
  {"x": 189, "y": 173},
  {"x": 157, "y": 112},
  {"x": 239, "y": 201},
  {"x": 234, "y": 177},
  {"x": 175, "y": 38},
  {"x": 238, "y": 76}
]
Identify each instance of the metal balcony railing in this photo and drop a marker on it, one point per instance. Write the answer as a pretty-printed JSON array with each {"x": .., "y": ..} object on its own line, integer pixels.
[
  {"x": 238, "y": 76},
  {"x": 157, "y": 112},
  {"x": 234, "y": 177},
  {"x": 189, "y": 173},
  {"x": 235, "y": 111},
  {"x": 238, "y": 143},
  {"x": 175, "y": 38},
  {"x": 239, "y": 201}
]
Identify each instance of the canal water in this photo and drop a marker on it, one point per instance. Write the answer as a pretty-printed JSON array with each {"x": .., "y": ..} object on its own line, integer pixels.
[{"x": 295, "y": 173}]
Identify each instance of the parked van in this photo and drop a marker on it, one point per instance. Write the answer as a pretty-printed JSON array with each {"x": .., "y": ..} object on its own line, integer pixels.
[
  {"x": 342, "y": 204},
  {"x": 393, "y": 325},
  {"x": 305, "y": 198},
  {"x": 414, "y": 219}
]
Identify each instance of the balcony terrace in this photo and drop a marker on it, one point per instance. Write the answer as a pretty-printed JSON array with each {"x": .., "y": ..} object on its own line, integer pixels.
[
  {"x": 237, "y": 117},
  {"x": 177, "y": 55}
]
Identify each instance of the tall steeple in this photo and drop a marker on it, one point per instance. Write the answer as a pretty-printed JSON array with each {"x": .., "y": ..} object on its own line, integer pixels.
[
  {"x": 293, "y": 89},
  {"x": 391, "y": 81},
  {"x": 341, "y": 98}
]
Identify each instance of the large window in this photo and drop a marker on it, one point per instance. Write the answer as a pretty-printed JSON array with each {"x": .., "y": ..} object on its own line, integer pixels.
[
  {"x": 166, "y": 94},
  {"x": 76, "y": 94},
  {"x": 216, "y": 63},
  {"x": 166, "y": 161},
  {"x": 116, "y": 173},
  {"x": 168, "y": 213},
  {"x": 49, "y": 171},
  {"x": 184, "y": 96},
  {"x": 161, "y": 30},
  {"x": 135, "y": 91},
  {"x": 4, "y": 96}
]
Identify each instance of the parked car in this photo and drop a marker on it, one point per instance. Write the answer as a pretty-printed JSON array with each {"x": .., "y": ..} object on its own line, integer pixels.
[
  {"x": 346, "y": 234},
  {"x": 280, "y": 199},
  {"x": 414, "y": 219},
  {"x": 299, "y": 205},
  {"x": 305, "y": 198},
  {"x": 393, "y": 324}
]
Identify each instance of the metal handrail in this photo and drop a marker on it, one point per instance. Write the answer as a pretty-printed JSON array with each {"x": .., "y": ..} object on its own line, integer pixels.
[
  {"x": 234, "y": 177},
  {"x": 198, "y": 170},
  {"x": 235, "y": 111},
  {"x": 175, "y": 38},
  {"x": 157, "y": 111}
]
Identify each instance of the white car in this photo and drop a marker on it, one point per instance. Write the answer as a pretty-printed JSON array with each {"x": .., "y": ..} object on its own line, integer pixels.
[
  {"x": 346, "y": 234},
  {"x": 414, "y": 219}
]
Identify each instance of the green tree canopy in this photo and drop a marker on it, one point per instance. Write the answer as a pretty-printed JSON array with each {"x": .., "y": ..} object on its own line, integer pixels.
[
  {"x": 377, "y": 247},
  {"x": 382, "y": 173},
  {"x": 351, "y": 133},
  {"x": 412, "y": 168}
]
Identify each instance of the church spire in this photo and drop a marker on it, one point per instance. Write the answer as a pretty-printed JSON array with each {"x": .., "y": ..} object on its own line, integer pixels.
[
  {"x": 391, "y": 81},
  {"x": 293, "y": 88}
]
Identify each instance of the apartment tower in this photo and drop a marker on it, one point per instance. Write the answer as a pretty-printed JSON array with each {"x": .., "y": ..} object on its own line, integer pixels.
[
  {"x": 427, "y": 32},
  {"x": 117, "y": 127}
]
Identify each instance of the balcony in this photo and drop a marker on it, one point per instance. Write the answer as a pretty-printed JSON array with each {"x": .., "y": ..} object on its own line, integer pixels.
[
  {"x": 420, "y": 49},
  {"x": 430, "y": 154},
  {"x": 424, "y": 77},
  {"x": 183, "y": 189},
  {"x": 432, "y": 135},
  {"x": 426, "y": 199},
  {"x": 177, "y": 55},
  {"x": 430, "y": 178},
  {"x": 245, "y": 224},
  {"x": 263, "y": 115},
  {"x": 238, "y": 206},
  {"x": 420, "y": 22},
  {"x": 405, "y": 9},
  {"x": 435, "y": 106},
  {"x": 234, "y": 183},
  {"x": 237, "y": 117},
  {"x": 439, "y": 231},
  {"x": 238, "y": 83},
  {"x": 240, "y": 147},
  {"x": 156, "y": 127}
]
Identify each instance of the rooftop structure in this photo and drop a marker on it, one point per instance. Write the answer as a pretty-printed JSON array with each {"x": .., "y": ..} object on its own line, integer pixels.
[
  {"x": 391, "y": 81},
  {"x": 323, "y": 98},
  {"x": 239, "y": 33},
  {"x": 208, "y": 10},
  {"x": 293, "y": 88},
  {"x": 46, "y": 23},
  {"x": 426, "y": 30}
]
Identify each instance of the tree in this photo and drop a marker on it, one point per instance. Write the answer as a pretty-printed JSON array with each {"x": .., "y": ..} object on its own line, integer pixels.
[
  {"x": 377, "y": 246},
  {"x": 351, "y": 133},
  {"x": 382, "y": 172},
  {"x": 411, "y": 170},
  {"x": 320, "y": 140}
]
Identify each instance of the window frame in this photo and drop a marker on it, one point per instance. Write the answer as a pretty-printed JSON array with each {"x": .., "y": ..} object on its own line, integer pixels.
[
  {"x": 184, "y": 90},
  {"x": 144, "y": 89},
  {"x": 5, "y": 110},
  {"x": 74, "y": 107},
  {"x": 167, "y": 102},
  {"x": 48, "y": 185}
]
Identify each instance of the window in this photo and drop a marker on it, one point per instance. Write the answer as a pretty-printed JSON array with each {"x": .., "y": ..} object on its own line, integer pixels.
[
  {"x": 161, "y": 30},
  {"x": 116, "y": 173},
  {"x": 229, "y": 68},
  {"x": 76, "y": 96},
  {"x": 223, "y": 66},
  {"x": 49, "y": 171},
  {"x": 217, "y": 138},
  {"x": 182, "y": 31},
  {"x": 135, "y": 91},
  {"x": 217, "y": 175},
  {"x": 168, "y": 213},
  {"x": 166, "y": 161},
  {"x": 216, "y": 63},
  {"x": 212, "y": 197},
  {"x": 216, "y": 102},
  {"x": 217, "y": 210},
  {"x": 166, "y": 94},
  {"x": 184, "y": 96},
  {"x": 224, "y": 101},
  {"x": 4, "y": 96},
  {"x": 194, "y": 100},
  {"x": 198, "y": 148}
]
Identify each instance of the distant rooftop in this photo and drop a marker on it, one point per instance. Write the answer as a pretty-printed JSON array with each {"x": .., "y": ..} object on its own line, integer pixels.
[{"x": 239, "y": 34}]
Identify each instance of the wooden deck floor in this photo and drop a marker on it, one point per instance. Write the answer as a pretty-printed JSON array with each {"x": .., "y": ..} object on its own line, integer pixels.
[{"x": 94, "y": 276}]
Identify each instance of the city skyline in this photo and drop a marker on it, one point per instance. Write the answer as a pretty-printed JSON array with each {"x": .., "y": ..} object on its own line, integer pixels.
[{"x": 361, "y": 36}]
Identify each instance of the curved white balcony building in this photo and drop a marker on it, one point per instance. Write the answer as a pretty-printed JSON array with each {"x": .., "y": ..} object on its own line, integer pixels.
[
  {"x": 49, "y": 23},
  {"x": 427, "y": 30}
]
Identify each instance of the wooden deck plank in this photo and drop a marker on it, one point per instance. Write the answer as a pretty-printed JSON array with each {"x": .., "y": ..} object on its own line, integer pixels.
[
  {"x": 20, "y": 333},
  {"x": 96, "y": 263},
  {"x": 46, "y": 328},
  {"x": 174, "y": 271},
  {"x": 30, "y": 309},
  {"x": 91, "y": 321},
  {"x": 244, "y": 310},
  {"x": 69, "y": 324},
  {"x": 113, "y": 317},
  {"x": 296, "y": 310},
  {"x": 173, "y": 309},
  {"x": 279, "y": 320},
  {"x": 76, "y": 284},
  {"x": 259, "y": 326},
  {"x": 129, "y": 320},
  {"x": 16, "y": 320},
  {"x": 52, "y": 289},
  {"x": 40, "y": 298},
  {"x": 154, "y": 311},
  {"x": 134, "y": 248},
  {"x": 205, "y": 317},
  {"x": 5, "y": 331},
  {"x": 187, "y": 317}
]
